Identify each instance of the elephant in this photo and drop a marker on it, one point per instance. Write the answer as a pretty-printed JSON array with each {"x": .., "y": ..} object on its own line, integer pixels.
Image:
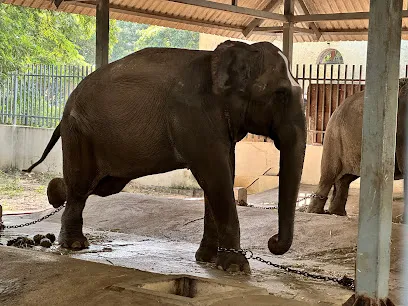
[
  {"x": 161, "y": 109},
  {"x": 341, "y": 157}
]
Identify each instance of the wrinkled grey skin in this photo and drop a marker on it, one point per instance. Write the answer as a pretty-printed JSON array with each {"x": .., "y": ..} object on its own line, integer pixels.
[
  {"x": 160, "y": 109},
  {"x": 341, "y": 157}
]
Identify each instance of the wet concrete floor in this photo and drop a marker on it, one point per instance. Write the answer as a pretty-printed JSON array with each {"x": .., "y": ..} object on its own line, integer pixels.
[{"x": 161, "y": 235}]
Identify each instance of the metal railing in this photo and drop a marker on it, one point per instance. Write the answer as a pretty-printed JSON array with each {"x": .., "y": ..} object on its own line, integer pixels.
[{"x": 36, "y": 96}]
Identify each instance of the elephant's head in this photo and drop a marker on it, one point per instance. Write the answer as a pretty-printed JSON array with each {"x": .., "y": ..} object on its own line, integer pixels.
[{"x": 259, "y": 74}]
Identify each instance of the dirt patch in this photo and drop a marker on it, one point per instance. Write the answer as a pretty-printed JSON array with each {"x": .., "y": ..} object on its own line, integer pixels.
[
  {"x": 20, "y": 191},
  {"x": 23, "y": 191}
]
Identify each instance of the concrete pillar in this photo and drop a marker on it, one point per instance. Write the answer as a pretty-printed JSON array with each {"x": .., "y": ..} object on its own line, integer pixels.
[
  {"x": 102, "y": 33},
  {"x": 288, "y": 31},
  {"x": 241, "y": 196},
  {"x": 378, "y": 151}
]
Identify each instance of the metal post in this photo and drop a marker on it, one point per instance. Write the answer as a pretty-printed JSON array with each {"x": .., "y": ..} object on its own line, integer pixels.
[
  {"x": 102, "y": 33},
  {"x": 288, "y": 31},
  {"x": 1, "y": 218},
  {"x": 404, "y": 295},
  {"x": 15, "y": 98},
  {"x": 378, "y": 150}
]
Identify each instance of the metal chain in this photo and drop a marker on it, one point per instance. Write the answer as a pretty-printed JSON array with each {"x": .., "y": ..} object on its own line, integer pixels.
[
  {"x": 35, "y": 221},
  {"x": 313, "y": 195},
  {"x": 343, "y": 281}
]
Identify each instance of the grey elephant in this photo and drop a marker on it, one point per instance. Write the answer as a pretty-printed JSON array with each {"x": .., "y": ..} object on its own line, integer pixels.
[
  {"x": 161, "y": 109},
  {"x": 341, "y": 157}
]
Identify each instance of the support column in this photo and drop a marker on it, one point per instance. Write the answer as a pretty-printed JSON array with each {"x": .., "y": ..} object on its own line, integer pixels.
[
  {"x": 288, "y": 31},
  {"x": 102, "y": 33},
  {"x": 404, "y": 295},
  {"x": 378, "y": 151}
]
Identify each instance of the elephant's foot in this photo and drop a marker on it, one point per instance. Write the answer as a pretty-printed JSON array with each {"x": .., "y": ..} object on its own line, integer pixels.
[
  {"x": 232, "y": 262},
  {"x": 338, "y": 212},
  {"x": 75, "y": 242},
  {"x": 316, "y": 206},
  {"x": 361, "y": 300},
  {"x": 206, "y": 254},
  {"x": 315, "y": 210}
]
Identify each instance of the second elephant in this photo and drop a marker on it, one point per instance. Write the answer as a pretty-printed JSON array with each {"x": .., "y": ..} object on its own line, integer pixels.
[{"x": 341, "y": 157}]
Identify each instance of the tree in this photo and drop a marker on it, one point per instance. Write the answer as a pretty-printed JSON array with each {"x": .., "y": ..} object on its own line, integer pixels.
[
  {"x": 155, "y": 36},
  {"x": 30, "y": 36},
  {"x": 133, "y": 37},
  {"x": 34, "y": 36}
]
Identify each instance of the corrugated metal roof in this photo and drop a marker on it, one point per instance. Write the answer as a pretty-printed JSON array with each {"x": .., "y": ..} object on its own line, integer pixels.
[{"x": 218, "y": 22}]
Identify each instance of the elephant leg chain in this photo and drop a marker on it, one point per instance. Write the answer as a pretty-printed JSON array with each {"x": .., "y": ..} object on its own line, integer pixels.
[
  {"x": 32, "y": 222},
  {"x": 343, "y": 281},
  {"x": 312, "y": 195}
]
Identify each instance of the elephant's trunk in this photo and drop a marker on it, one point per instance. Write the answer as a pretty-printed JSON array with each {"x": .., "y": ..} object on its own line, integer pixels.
[{"x": 292, "y": 151}]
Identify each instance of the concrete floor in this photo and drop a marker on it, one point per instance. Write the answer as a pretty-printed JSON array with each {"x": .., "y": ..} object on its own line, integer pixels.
[{"x": 161, "y": 235}]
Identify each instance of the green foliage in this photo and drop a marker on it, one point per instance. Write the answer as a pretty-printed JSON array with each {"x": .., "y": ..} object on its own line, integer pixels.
[
  {"x": 133, "y": 37},
  {"x": 34, "y": 36},
  {"x": 38, "y": 36},
  {"x": 155, "y": 36}
]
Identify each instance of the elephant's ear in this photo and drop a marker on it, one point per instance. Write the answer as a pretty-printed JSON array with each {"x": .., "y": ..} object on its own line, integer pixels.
[{"x": 234, "y": 66}]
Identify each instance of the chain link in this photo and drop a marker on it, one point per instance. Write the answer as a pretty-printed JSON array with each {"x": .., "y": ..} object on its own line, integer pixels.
[
  {"x": 35, "y": 221},
  {"x": 343, "y": 281},
  {"x": 275, "y": 205}
]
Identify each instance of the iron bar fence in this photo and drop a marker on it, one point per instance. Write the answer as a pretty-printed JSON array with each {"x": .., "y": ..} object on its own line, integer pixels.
[{"x": 36, "y": 96}]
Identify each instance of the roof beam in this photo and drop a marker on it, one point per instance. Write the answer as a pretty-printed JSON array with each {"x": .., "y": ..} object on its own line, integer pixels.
[
  {"x": 234, "y": 9},
  {"x": 257, "y": 21},
  {"x": 114, "y": 8},
  {"x": 352, "y": 31},
  {"x": 301, "y": 6},
  {"x": 259, "y": 30},
  {"x": 336, "y": 17}
]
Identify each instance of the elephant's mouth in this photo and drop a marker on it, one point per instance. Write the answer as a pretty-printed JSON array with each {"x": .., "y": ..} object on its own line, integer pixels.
[{"x": 275, "y": 139}]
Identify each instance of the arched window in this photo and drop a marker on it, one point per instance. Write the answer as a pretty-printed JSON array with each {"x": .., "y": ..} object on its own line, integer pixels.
[{"x": 330, "y": 56}]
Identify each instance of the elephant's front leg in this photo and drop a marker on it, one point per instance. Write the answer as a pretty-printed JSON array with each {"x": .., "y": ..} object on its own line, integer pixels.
[
  {"x": 217, "y": 183},
  {"x": 207, "y": 252}
]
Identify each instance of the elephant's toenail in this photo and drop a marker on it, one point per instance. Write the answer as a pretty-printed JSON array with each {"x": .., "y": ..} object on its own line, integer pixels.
[
  {"x": 76, "y": 245},
  {"x": 233, "y": 268}
]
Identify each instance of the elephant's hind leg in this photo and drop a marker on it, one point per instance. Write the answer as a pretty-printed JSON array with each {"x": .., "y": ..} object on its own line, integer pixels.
[
  {"x": 81, "y": 177},
  {"x": 338, "y": 203},
  {"x": 330, "y": 167}
]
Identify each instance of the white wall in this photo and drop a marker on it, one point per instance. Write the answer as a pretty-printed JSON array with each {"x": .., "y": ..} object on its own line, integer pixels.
[
  {"x": 353, "y": 52},
  {"x": 22, "y": 146}
]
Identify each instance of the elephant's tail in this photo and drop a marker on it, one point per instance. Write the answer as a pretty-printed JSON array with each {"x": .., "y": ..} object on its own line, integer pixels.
[{"x": 54, "y": 138}]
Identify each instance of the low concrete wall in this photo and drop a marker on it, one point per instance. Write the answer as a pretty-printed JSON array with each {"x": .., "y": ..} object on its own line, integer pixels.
[
  {"x": 22, "y": 146},
  {"x": 257, "y": 163}
]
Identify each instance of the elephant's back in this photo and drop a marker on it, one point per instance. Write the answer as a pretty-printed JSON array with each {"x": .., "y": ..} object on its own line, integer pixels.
[
  {"x": 136, "y": 88},
  {"x": 345, "y": 132}
]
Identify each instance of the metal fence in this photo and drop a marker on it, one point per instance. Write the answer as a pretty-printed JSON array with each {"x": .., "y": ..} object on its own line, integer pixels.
[
  {"x": 36, "y": 96},
  {"x": 325, "y": 88}
]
